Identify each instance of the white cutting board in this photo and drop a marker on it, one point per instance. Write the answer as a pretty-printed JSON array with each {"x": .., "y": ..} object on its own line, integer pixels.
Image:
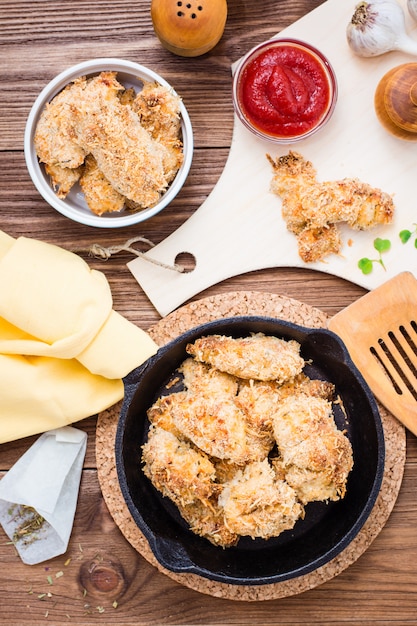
[{"x": 239, "y": 227}]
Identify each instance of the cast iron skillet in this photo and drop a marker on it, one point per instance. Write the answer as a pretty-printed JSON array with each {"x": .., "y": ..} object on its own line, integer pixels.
[{"x": 327, "y": 528}]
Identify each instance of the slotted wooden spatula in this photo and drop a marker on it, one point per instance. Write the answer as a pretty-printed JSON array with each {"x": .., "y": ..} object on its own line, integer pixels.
[{"x": 380, "y": 332}]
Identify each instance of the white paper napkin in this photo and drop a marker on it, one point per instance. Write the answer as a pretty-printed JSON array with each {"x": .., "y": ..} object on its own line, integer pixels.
[{"x": 38, "y": 495}]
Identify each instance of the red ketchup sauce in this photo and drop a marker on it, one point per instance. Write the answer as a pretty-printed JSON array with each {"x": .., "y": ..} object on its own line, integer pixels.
[{"x": 284, "y": 91}]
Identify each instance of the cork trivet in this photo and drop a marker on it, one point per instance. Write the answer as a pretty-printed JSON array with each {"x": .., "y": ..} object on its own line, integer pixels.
[{"x": 229, "y": 305}]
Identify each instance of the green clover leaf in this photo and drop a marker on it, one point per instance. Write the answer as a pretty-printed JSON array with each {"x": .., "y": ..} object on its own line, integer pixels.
[
  {"x": 381, "y": 245},
  {"x": 365, "y": 265},
  {"x": 405, "y": 235}
]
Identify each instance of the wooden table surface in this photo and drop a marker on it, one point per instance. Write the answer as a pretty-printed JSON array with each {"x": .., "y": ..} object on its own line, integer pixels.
[{"x": 37, "y": 41}]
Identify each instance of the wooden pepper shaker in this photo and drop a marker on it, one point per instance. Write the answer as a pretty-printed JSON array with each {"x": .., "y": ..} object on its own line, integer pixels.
[
  {"x": 189, "y": 27},
  {"x": 396, "y": 101}
]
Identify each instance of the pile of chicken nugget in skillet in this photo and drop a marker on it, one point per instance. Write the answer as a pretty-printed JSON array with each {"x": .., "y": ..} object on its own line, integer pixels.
[{"x": 248, "y": 442}]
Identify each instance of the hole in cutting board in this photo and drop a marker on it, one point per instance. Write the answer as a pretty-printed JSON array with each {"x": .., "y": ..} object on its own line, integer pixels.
[{"x": 186, "y": 261}]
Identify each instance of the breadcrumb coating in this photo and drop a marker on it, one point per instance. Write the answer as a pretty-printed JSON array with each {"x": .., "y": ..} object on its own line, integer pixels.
[
  {"x": 258, "y": 504},
  {"x": 99, "y": 194},
  {"x": 258, "y": 356},
  {"x": 63, "y": 178},
  {"x": 178, "y": 470},
  {"x": 316, "y": 456},
  {"x": 204, "y": 379},
  {"x": 124, "y": 151},
  {"x": 55, "y": 140}
]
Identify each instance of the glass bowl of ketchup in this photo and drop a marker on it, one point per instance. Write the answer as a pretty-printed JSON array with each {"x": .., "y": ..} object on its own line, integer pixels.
[{"x": 284, "y": 90}]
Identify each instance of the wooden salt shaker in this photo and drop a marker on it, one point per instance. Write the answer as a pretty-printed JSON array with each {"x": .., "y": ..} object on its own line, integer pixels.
[
  {"x": 396, "y": 101},
  {"x": 189, "y": 28}
]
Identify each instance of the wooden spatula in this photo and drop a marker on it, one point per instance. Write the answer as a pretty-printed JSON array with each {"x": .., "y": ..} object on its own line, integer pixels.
[{"x": 380, "y": 332}]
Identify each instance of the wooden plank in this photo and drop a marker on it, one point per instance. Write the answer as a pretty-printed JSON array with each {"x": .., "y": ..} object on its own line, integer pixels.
[{"x": 104, "y": 564}]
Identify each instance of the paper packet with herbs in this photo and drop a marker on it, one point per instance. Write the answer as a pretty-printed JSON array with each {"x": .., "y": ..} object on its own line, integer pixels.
[{"x": 38, "y": 495}]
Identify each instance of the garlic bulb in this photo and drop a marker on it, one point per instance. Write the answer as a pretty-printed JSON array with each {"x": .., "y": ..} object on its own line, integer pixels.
[
  {"x": 377, "y": 27},
  {"x": 412, "y": 8}
]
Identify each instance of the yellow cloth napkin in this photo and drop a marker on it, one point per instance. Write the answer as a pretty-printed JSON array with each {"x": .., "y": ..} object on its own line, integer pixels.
[{"x": 63, "y": 348}]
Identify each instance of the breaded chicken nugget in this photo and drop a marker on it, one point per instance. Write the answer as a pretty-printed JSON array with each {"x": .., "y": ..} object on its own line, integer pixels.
[
  {"x": 124, "y": 151},
  {"x": 303, "y": 384},
  {"x": 317, "y": 457},
  {"x": 99, "y": 194},
  {"x": 258, "y": 504},
  {"x": 316, "y": 243},
  {"x": 259, "y": 356},
  {"x": 308, "y": 203},
  {"x": 177, "y": 470},
  {"x": 215, "y": 424},
  {"x": 201, "y": 378},
  {"x": 207, "y": 520},
  {"x": 159, "y": 112},
  {"x": 63, "y": 178},
  {"x": 311, "y": 209},
  {"x": 160, "y": 413},
  {"x": 258, "y": 400},
  {"x": 158, "y": 109},
  {"x": 55, "y": 141}
]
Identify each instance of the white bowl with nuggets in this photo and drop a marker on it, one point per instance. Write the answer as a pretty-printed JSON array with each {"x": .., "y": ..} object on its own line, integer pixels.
[{"x": 108, "y": 143}]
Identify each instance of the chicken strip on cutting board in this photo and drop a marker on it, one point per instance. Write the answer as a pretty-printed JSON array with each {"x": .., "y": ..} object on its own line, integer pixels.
[
  {"x": 314, "y": 244},
  {"x": 316, "y": 456},
  {"x": 258, "y": 504},
  {"x": 258, "y": 356},
  {"x": 311, "y": 208},
  {"x": 310, "y": 203}
]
